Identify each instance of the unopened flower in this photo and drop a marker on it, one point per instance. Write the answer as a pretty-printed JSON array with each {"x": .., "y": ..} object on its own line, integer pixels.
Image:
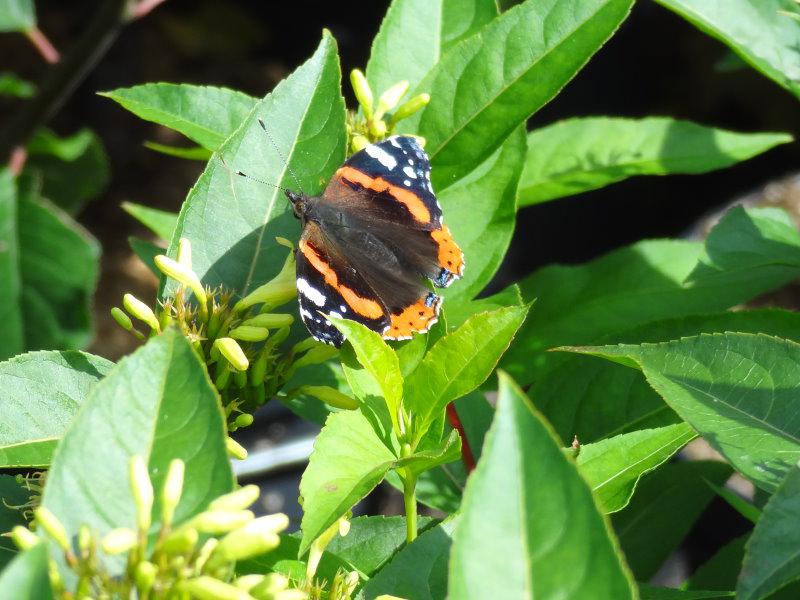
[
  {"x": 52, "y": 526},
  {"x": 239, "y": 499},
  {"x": 243, "y": 420},
  {"x": 329, "y": 395},
  {"x": 257, "y": 537},
  {"x": 271, "y": 584},
  {"x": 145, "y": 576},
  {"x": 119, "y": 541},
  {"x": 270, "y": 320},
  {"x": 185, "y": 253},
  {"x": 235, "y": 449},
  {"x": 277, "y": 291},
  {"x": 183, "y": 275},
  {"x": 408, "y": 108},
  {"x": 390, "y": 98},
  {"x": 209, "y": 588},
  {"x": 24, "y": 538},
  {"x": 248, "y": 333},
  {"x": 142, "y": 490},
  {"x": 362, "y": 91},
  {"x": 232, "y": 352},
  {"x": 221, "y": 521},
  {"x": 141, "y": 311},
  {"x": 172, "y": 490}
]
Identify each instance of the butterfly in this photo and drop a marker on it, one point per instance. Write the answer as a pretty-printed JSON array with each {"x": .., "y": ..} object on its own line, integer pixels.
[{"x": 370, "y": 241}]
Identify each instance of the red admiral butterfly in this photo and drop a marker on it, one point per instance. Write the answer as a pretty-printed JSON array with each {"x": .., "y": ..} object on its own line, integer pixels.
[{"x": 369, "y": 241}]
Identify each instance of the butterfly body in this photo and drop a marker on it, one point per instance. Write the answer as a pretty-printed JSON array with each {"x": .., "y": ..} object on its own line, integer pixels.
[{"x": 370, "y": 241}]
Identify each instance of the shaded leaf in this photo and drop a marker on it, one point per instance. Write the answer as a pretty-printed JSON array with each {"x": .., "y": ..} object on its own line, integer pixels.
[
  {"x": 754, "y": 29},
  {"x": 12, "y": 333},
  {"x": 522, "y": 539},
  {"x": 11, "y": 85},
  {"x": 12, "y": 498},
  {"x": 160, "y": 222},
  {"x": 40, "y": 394},
  {"x": 578, "y": 155},
  {"x": 147, "y": 252},
  {"x": 193, "y": 153},
  {"x": 736, "y": 389},
  {"x": 27, "y": 575},
  {"x": 613, "y": 467},
  {"x": 206, "y": 115},
  {"x": 157, "y": 403},
  {"x": 664, "y": 508},
  {"x": 17, "y": 15},
  {"x": 721, "y": 570}
]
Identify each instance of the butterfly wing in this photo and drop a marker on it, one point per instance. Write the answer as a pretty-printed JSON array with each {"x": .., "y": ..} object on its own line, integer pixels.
[{"x": 387, "y": 185}]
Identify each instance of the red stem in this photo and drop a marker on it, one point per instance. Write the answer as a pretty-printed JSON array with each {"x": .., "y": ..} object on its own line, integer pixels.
[
  {"x": 17, "y": 160},
  {"x": 466, "y": 451},
  {"x": 144, "y": 7},
  {"x": 43, "y": 45}
]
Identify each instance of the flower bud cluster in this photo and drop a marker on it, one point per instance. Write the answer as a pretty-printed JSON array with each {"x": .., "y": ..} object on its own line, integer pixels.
[
  {"x": 376, "y": 121},
  {"x": 241, "y": 342},
  {"x": 193, "y": 559}
]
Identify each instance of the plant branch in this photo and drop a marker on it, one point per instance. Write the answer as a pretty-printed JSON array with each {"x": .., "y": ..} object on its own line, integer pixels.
[
  {"x": 466, "y": 451},
  {"x": 410, "y": 502},
  {"x": 62, "y": 79},
  {"x": 43, "y": 45}
]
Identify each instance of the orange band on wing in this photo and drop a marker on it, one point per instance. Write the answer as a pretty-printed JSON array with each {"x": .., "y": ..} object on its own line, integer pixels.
[
  {"x": 363, "y": 306},
  {"x": 417, "y": 318},
  {"x": 450, "y": 255},
  {"x": 408, "y": 198}
]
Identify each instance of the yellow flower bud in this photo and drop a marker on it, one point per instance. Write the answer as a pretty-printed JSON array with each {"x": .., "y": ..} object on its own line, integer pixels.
[
  {"x": 52, "y": 526},
  {"x": 270, "y": 321},
  {"x": 277, "y": 291},
  {"x": 248, "y": 333},
  {"x": 204, "y": 554},
  {"x": 232, "y": 352},
  {"x": 221, "y": 521},
  {"x": 24, "y": 538},
  {"x": 318, "y": 547},
  {"x": 330, "y": 396},
  {"x": 378, "y": 128},
  {"x": 358, "y": 142},
  {"x": 388, "y": 597},
  {"x": 142, "y": 490},
  {"x": 172, "y": 490},
  {"x": 185, "y": 253},
  {"x": 257, "y": 537},
  {"x": 85, "y": 540},
  {"x": 408, "y": 108},
  {"x": 181, "y": 541},
  {"x": 390, "y": 98},
  {"x": 145, "y": 576},
  {"x": 235, "y": 450},
  {"x": 208, "y": 588},
  {"x": 243, "y": 420},
  {"x": 239, "y": 499},
  {"x": 141, "y": 311},
  {"x": 119, "y": 541},
  {"x": 183, "y": 275},
  {"x": 248, "y": 582},
  {"x": 344, "y": 527},
  {"x": 122, "y": 319},
  {"x": 362, "y": 91},
  {"x": 272, "y": 584},
  {"x": 319, "y": 353}
]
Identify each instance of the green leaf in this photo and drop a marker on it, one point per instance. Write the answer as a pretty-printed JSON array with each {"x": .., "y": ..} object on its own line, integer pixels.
[
  {"x": 415, "y": 34},
  {"x": 27, "y": 575},
  {"x": 17, "y": 15},
  {"x": 348, "y": 461},
  {"x": 749, "y": 511},
  {"x": 157, "y": 403},
  {"x": 484, "y": 230},
  {"x": 306, "y": 119},
  {"x": 419, "y": 570},
  {"x": 69, "y": 171},
  {"x": 573, "y": 396},
  {"x": 160, "y": 222},
  {"x": 735, "y": 389},
  {"x": 578, "y": 155},
  {"x": 206, "y": 115},
  {"x": 771, "y": 560},
  {"x": 58, "y": 263},
  {"x": 613, "y": 467},
  {"x": 649, "y": 592},
  {"x": 193, "y": 153},
  {"x": 754, "y": 29},
  {"x": 753, "y": 251},
  {"x": 519, "y": 541},
  {"x": 664, "y": 508},
  {"x": 721, "y": 570},
  {"x": 12, "y": 333},
  {"x": 11, "y": 85},
  {"x": 378, "y": 360},
  {"x": 497, "y": 78},
  {"x": 458, "y": 311},
  {"x": 14, "y": 499},
  {"x": 448, "y": 450},
  {"x": 284, "y": 560},
  {"x": 40, "y": 394}
]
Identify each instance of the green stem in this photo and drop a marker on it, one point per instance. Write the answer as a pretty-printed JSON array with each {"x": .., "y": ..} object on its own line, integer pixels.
[{"x": 410, "y": 501}]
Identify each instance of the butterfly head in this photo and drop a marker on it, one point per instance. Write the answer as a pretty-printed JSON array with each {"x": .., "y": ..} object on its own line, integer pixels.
[{"x": 299, "y": 203}]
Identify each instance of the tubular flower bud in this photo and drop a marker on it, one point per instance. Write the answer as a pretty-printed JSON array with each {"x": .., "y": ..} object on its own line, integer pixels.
[
  {"x": 181, "y": 541},
  {"x": 259, "y": 369},
  {"x": 185, "y": 253},
  {"x": 208, "y": 588},
  {"x": 142, "y": 490},
  {"x": 408, "y": 108},
  {"x": 52, "y": 526},
  {"x": 172, "y": 490},
  {"x": 232, "y": 352},
  {"x": 146, "y": 573},
  {"x": 122, "y": 319},
  {"x": 141, "y": 311},
  {"x": 277, "y": 291},
  {"x": 358, "y": 142},
  {"x": 24, "y": 538},
  {"x": 239, "y": 499},
  {"x": 329, "y": 396},
  {"x": 221, "y": 521},
  {"x": 318, "y": 354},
  {"x": 390, "y": 98},
  {"x": 119, "y": 541},
  {"x": 183, "y": 275},
  {"x": 318, "y": 547},
  {"x": 243, "y": 420},
  {"x": 235, "y": 450},
  {"x": 270, "y": 321},
  {"x": 257, "y": 537},
  {"x": 248, "y": 582},
  {"x": 362, "y": 91},
  {"x": 247, "y": 333},
  {"x": 272, "y": 584},
  {"x": 378, "y": 128}
]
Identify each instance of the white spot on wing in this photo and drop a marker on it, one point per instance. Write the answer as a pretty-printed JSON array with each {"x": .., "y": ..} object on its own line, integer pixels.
[
  {"x": 310, "y": 292},
  {"x": 411, "y": 161},
  {"x": 407, "y": 183},
  {"x": 305, "y": 314},
  {"x": 393, "y": 141},
  {"x": 333, "y": 313},
  {"x": 383, "y": 157},
  {"x": 343, "y": 308},
  {"x": 409, "y": 172}
]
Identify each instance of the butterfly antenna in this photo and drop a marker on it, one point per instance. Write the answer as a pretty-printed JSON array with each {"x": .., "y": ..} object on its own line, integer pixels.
[
  {"x": 279, "y": 153},
  {"x": 246, "y": 176}
]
